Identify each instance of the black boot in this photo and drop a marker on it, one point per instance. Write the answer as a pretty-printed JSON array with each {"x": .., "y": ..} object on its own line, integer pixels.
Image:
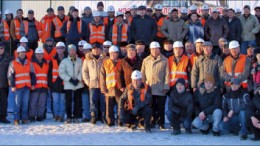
[
  {"x": 93, "y": 118},
  {"x": 216, "y": 133},
  {"x": 103, "y": 117}
]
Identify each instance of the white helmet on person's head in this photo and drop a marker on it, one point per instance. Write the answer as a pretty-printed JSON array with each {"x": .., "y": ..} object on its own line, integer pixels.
[
  {"x": 158, "y": 7},
  {"x": 87, "y": 46},
  {"x": 60, "y": 44},
  {"x": 154, "y": 44},
  {"x": 177, "y": 44},
  {"x": 113, "y": 48},
  {"x": 39, "y": 50},
  {"x": 136, "y": 75},
  {"x": 20, "y": 49},
  {"x": 81, "y": 43},
  {"x": 23, "y": 40},
  {"x": 107, "y": 43}
]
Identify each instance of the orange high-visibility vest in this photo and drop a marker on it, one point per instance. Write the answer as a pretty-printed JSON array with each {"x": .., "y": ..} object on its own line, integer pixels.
[
  {"x": 238, "y": 69},
  {"x": 97, "y": 34},
  {"x": 28, "y": 54},
  {"x": 193, "y": 58},
  {"x": 129, "y": 20},
  {"x": 50, "y": 56},
  {"x": 22, "y": 74},
  {"x": 79, "y": 24},
  {"x": 105, "y": 20},
  {"x": 178, "y": 70},
  {"x": 159, "y": 25},
  {"x": 17, "y": 26},
  {"x": 203, "y": 21},
  {"x": 46, "y": 27},
  {"x": 111, "y": 73},
  {"x": 6, "y": 31},
  {"x": 55, "y": 70},
  {"x": 38, "y": 27},
  {"x": 58, "y": 24},
  {"x": 131, "y": 97},
  {"x": 41, "y": 75},
  {"x": 124, "y": 36}
]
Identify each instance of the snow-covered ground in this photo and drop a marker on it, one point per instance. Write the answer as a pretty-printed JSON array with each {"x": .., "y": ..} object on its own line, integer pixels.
[{"x": 52, "y": 133}]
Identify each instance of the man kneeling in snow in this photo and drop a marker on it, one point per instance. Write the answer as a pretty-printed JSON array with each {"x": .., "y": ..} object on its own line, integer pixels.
[{"x": 135, "y": 103}]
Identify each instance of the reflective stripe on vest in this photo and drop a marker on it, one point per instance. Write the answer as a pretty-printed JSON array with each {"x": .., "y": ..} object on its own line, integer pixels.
[
  {"x": 238, "y": 69},
  {"x": 97, "y": 34},
  {"x": 178, "y": 70},
  {"x": 22, "y": 74},
  {"x": 50, "y": 56},
  {"x": 124, "y": 36},
  {"x": 46, "y": 28},
  {"x": 41, "y": 75},
  {"x": 6, "y": 31},
  {"x": 111, "y": 73},
  {"x": 58, "y": 24},
  {"x": 131, "y": 97},
  {"x": 159, "y": 25},
  {"x": 17, "y": 26},
  {"x": 193, "y": 59},
  {"x": 79, "y": 24},
  {"x": 55, "y": 70}
]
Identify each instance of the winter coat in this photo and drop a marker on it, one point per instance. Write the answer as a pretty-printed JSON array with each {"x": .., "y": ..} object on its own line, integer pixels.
[
  {"x": 69, "y": 69},
  {"x": 174, "y": 30},
  {"x": 90, "y": 70},
  {"x": 119, "y": 34},
  {"x": 87, "y": 19},
  {"x": 235, "y": 29},
  {"x": 215, "y": 29},
  {"x": 4, "y": 63},
  {"x": 156, "y": 74},
  {"x": 206, "y": 66},
  {"x": 250, "y": 27},
  {"x": 235, "y": 100},
  {"x": 143, "y": 29},
  {"x": 181, "y": 104},
  {"x": 257, "y": 36},
  {"x": 32, "y": 35},
  {"x": 207, "y": 101},
  {"x": 253, "y": 108},
  {"x": 195, "y": 31},
  {"x": 125, "y": 70}
]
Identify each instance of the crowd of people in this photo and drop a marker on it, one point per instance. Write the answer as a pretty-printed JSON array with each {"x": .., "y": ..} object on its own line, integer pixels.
[{"x": 123, "y": 68}]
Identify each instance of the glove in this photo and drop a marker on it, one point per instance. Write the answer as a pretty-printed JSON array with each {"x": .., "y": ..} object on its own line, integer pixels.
[
  {"x": 74, "y": 82},
  {"x": 134, "y": 111}
]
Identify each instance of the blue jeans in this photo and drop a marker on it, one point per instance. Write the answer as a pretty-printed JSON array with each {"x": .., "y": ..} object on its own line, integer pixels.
[
  {"x": 176, "y": 120},
  {"x": 10, "y": 99},
  {"x": 58, "y": 104},
  {"x": 85, "y": 104},
  {"x": 21, "y": 103},
  {"x": 95, "y": 97},
  {"x": 215, "y": 118},
  {"x": 234, "y": 123},
  {"x": 245, "y": 44},
  {"x": 48, "y": 102}
]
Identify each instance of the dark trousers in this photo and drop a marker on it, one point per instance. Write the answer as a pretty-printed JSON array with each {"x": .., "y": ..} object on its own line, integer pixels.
[
  {"x": 3, "y": 102},
  {"x": 77, "y": 108},
  {"x": 252, "y": 127},
  {"x": 111, "y": 102},
  {"x": 33, "y": 45},
  {"x": 175, "y": 120},
  {"x": 158, "y": 107}
]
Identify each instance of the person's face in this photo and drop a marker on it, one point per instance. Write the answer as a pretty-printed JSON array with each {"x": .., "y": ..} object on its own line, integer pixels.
[
  {"x": 140, "y": 48},
  {"x": 9, "y": 16},
  {"x": 246, "y": 11},
  {"x": 60, "y": 50},
  {"x": 205, "y": 12},
  {"x": 72, "y": 52},
  {"x": 19, "y": 14},
  {"x": 221, "y": 44},
  {"x": 97, "y": 18},
  {"x": 113, "y": 55},
  {"x": 167, "y": 47},
  {"x": 133, "y": 12},
  {"x": 235, "y": 51},
  {"x": 215, "y": 15},
  {"x": 225, "y": 12},
  {"x": 49, "y": 43},
  {"x": 155, "y": 52},
  {"x": 250, "y": 51},
  {"x": 85, "y": 51},
  {"x": 207, "y": 50},
  {"x": 50, "y": 13},
  {"x": 174, "y": 14},
  {"x": 178, "y": 51},
  {"x": 80, "y": 47},
  {"x": 39, "y": 56},
  {"x": 100, "y": 8},
  {"x": 149, "y": 13},
  {"x": 131, "y": 53},
  {"x": 180, "y": 88},
  {"x": 106, "y": 49},
  {"x": 142, "y": 12},
  {"x": 30, "y": 16},
  {"x": 123, "y": 49},
  {"x": 136, "y": 83},
  {"x": 87, "y": 12},
  {"x": 61, "y": 12},
  {"x": 119, "y": 19},
  {"x": 189, "y": 48},
  {"x": 127, "y": 15},
  {"x": 234, "y": 87},
  {"x": 199, "y": 49},
  {"x": 231, "y": 14},
  {"x": 194, "y": 17},
  {"x": 158, "y": 12},
  {"x": 23, "y": 44},
  {"x": 96, "y": 51},
  {"x": 238, "y": 14},
  {"x": 111, "y": 14},
  {"x": 257, "y": 12},
  {"x": 208, "y": 85},
  {"x": 75, "y": 14},
  {"x": 225, "y": 50},
  {"x": 2, "y": 50},
  {"x": 21, "y": 55},
  {"x": 258, "y": 57}
]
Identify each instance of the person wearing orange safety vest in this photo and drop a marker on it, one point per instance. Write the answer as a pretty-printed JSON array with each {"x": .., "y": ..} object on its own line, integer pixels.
[
  {"x": 46, "y": 23},
  {"x": 179, "y": 65},
  {"x": 160, "y": 18},
  {"x": 38, "y": 96},
  {"x": 29, "y": 52},
  {"x": 21, "y": 76},
  {"x": 190, "y": 51},
  {"x": 120, "y": 31},
  {"x": 236, "y": 65},
  {"x": 96, "y": 29},
  {"x": 57, "y": 23},
  {"x": 16, "y": 26},
  {"x": 205, "y": 14},
  {"x": 109, "y": 20},
  {"x": 56, "y": 85},
  {"x": 49, "y": 49},
  {"x": 109, "y": 83},
  {"x": 31, "y": 29}
]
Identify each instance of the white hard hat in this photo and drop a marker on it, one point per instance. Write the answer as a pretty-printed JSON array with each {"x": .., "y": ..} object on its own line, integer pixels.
[
  {"x": 107, "y": 43},
  {"x": 23, "y": 40},
  {"x": 136, "y": 75},
  {"x": 193, "y": 7},
  {"x": 96, "y": 13},
  {"x": 133, "y": 7},
  {"x": 205, "y": 7},
  {"x": 233, "y": 44},
  {"x": 237, "y": 10},
  {"x": 20, "y": 49},
  {"x": 113, "y": 48},
  {"x": 7, "y": 11},
  {"x": 177, "y": 44},
  {"x": 199, "y": 40},
  {"x": 111, "y": 9},
  {"x": 60, "y": 44},
  {"x": 119, "y": 13},
  {"x": 82, "y": 42},
  {"x": 214, "y": 10},
  {"x": 154, "y": 45},
  {"x": 184, "y": 10},
  {"x": 158, "y": 7},
  {"x": 87, "y": 46},
  {"x": 39, "y": 50}
]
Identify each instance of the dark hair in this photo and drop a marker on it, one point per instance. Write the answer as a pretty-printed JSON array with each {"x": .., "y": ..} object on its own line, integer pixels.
[
  {"x": 194, "y": 13},
  {"x": 19, "y": 10},
  {"x": 231, "y": 10}
]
